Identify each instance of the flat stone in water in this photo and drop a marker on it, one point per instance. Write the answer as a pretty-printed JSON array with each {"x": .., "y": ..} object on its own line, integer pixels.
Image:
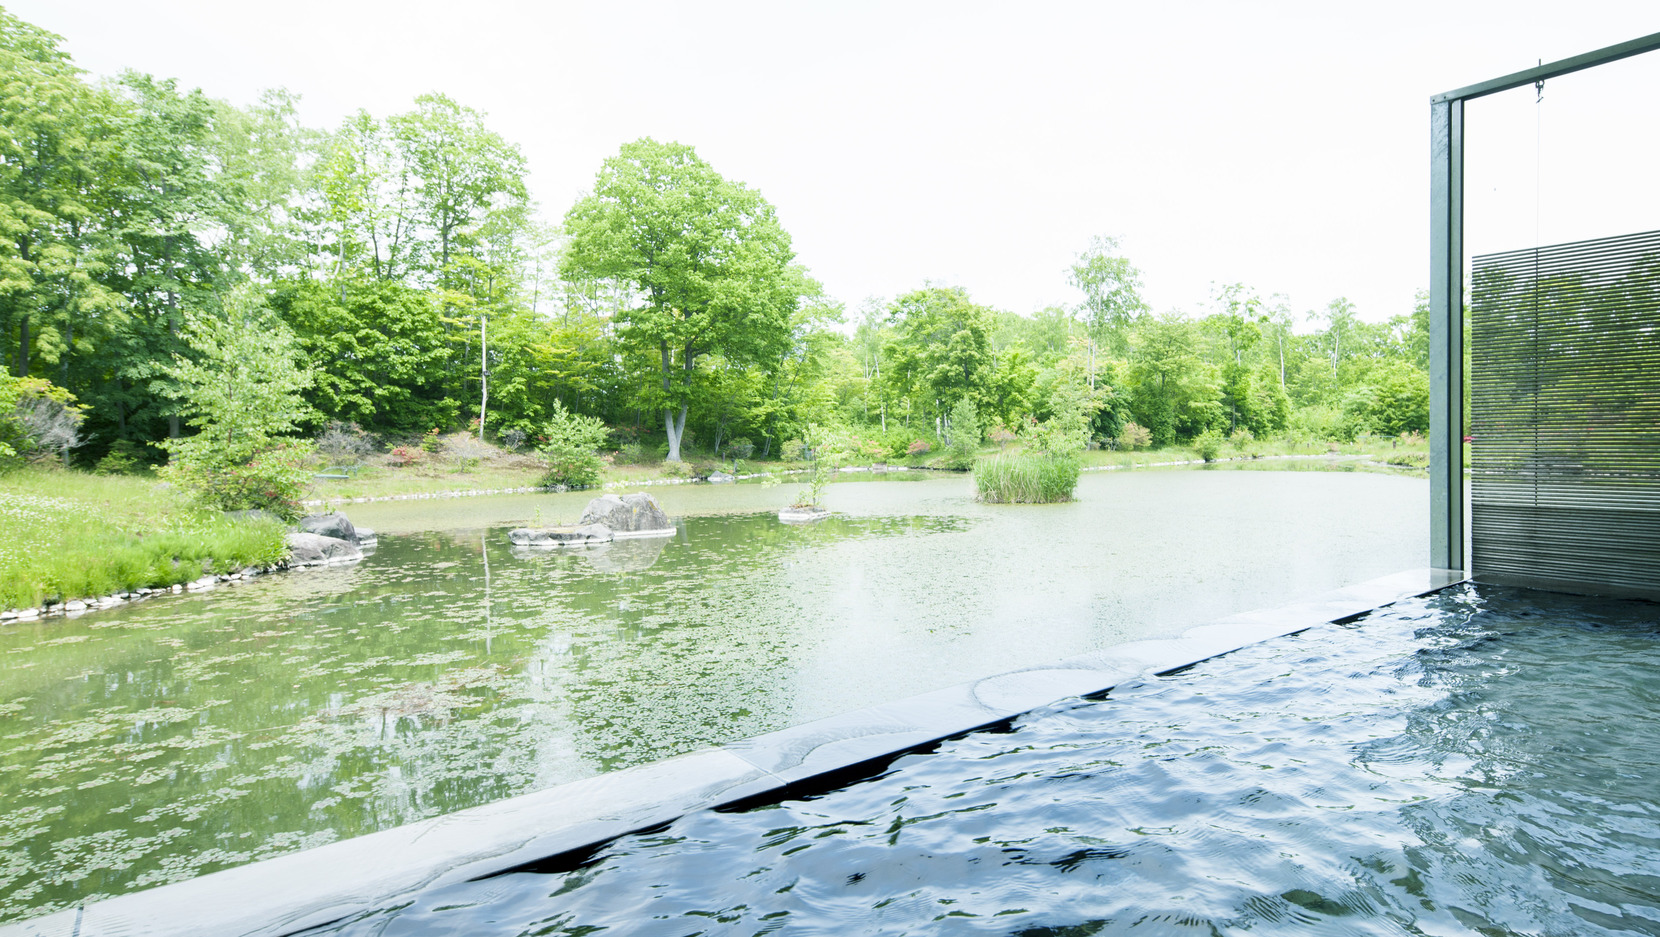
[{"x": 568, "y": 536}]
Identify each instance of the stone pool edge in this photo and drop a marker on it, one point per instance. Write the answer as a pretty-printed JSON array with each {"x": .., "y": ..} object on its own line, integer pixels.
[{"x": 306, "y": 889}]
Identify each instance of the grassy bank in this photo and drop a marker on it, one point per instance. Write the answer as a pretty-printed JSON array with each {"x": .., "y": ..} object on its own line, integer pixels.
[{"x": 67, "y": 535}]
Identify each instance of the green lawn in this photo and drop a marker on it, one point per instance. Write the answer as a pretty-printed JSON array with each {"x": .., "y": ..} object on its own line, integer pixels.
[{"x": 68, "y": 535}]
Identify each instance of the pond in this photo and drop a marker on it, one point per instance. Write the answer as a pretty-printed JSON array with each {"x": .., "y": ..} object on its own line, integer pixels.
[
  {"x": 1478, "y": 762},
  {"x": 162, "y": 740}
]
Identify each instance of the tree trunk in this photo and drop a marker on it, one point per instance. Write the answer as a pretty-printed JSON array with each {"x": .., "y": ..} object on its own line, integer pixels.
[
  {"x": 22, "y": 368},
  {"x": 675, "y": 429},
  {"x": 483, "y": 371}
]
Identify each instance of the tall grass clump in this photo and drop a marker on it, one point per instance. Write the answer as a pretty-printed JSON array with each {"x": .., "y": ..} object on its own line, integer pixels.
[
  {"x": 66, "y": 535},
  {"x": 1026, "y": 477}
]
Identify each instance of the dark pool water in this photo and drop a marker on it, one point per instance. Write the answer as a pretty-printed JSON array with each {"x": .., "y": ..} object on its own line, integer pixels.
[{"x": 1479, "y": 762}]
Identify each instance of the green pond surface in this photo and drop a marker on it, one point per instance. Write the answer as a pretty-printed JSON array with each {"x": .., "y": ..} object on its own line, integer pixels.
[{"x": 177, "y": 736}]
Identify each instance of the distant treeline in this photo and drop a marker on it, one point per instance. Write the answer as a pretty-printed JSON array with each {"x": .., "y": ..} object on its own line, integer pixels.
[{"x": 401, "y": 257}]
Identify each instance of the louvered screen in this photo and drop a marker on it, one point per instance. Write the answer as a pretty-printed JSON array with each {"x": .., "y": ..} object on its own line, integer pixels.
[{"x": 1565, "y": 416}]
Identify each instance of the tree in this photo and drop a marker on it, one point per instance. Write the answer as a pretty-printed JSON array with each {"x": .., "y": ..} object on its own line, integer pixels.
[
  {"x": 709, "y": 266},
  {"x": 54, "y": 149},
  {"x": 941, "y": 351},
  {"x": 1111, "y": 286},
  {"x": 380, "y": 347},
  {"x": 1172, "y": 390},
  {"x": 241, "y": 389}
]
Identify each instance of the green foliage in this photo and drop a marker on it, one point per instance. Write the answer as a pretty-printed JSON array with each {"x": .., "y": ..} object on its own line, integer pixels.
[
  {"x": 1026, "y": 477},
  {"x": 384, "y": 349},
  {"x": 67, "y": 535},
  {"x": 1208, "y": 445},
  {"x": 569, "y": 442},
  {"x": 963, "y": 443},
  {"x": 241, "y": 387},
  {"x": 740, "y": 448},
  {"x": 130, "y": 207},
  {"x": 37, "y": 419},
  {"x": 273, "y": 478},
  {"x": 829, "y": 450},
  {"x": 1134, "y": 436},
  {"x": 123, "y": 458},
  {"x": 708, "y": 259}
]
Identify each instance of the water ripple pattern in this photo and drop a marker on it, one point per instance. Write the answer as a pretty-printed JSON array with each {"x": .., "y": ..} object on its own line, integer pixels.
[{"x": 1480, "y": 762}]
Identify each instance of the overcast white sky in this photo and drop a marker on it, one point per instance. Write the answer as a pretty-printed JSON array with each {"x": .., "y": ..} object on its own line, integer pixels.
[{"x": 1282, "y": 145}]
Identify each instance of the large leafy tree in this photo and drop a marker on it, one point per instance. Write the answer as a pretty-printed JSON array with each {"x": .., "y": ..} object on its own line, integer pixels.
[
  {"x": 1112, "y": 296},
  {"x": 941, "y": 351},
  {"x": 54, "y": 155},
  {"x": 380, "y": 348},
  {"x": 709, "y": 267}
]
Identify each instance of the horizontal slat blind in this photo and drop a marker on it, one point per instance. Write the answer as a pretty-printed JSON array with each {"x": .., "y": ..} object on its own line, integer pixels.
[{"x": 1565, "y": 415}]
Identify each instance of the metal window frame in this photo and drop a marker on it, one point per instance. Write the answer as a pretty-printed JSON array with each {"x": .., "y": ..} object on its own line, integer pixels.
[{"x": 1446, "y": 289}]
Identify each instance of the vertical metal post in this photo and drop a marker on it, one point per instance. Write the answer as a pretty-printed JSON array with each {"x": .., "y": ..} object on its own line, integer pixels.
[{"x": 1446, "y": 335}]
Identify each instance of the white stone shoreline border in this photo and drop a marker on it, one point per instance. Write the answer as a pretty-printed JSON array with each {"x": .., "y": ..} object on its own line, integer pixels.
[
  {"x": 306, "y": 889},
  {"x": 77, "y": 607}
]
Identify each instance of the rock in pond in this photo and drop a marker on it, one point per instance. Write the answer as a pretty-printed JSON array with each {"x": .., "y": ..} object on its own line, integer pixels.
[
  {"x": 635, "y": 515},
  {"x": 577, "y": 536},
  {"x": 795, "y": 515},
  {"x": 721, "y": 478},
  {"x": 329, "y": 525},
  {"x": 306, "y": 549}
]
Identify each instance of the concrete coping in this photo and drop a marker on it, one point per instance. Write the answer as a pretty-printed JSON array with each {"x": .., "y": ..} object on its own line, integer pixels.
[{"x": 312, "y": 887}]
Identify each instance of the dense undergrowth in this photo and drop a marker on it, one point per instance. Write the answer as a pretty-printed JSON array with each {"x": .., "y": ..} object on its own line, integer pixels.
[{"x": 68, "y": 535}]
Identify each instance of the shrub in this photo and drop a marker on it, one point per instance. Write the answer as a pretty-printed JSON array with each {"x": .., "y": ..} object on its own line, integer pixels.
[
  {"x": 37, "y": 419},
  {"x": 793, "y": 450},
  {"x": 740, "y": 448},
  {"x": 344, "y": 442},
  {"x": 512, "y": 437},
  {"x": 1002, "y": 435},
  {"x": 1207, "y": 445},
  {"x": 1134, "y": 436},
  {"x": 1026, "y": 477},
  {"x": 569, "y": 443},
  {"x": 829, "y": 449},
  {"x": 630, "y": 453},
  {"x": 272, "y": 480},
  {"x": 1243, "y": 441},
  {"x": 404, "y": 456},
  {"x": 429, "y": 442},
  {"x": 918, "y": 447},
  {"x": 965, "y": 435},
  {"x": 124, "y": 458},
  {"x": 677, "y": 470}
]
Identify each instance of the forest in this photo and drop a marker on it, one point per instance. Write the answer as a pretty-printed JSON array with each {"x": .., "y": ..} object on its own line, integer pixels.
[{"x": 180, "y": 275}]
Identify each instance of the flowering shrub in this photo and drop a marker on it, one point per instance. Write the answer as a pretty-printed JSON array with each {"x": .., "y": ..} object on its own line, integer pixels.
[
  {"x": 402, "y": 456},
  {"x": 919, "y": 447}
]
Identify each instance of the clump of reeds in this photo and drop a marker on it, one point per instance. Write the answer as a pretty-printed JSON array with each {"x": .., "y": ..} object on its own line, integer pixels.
[{"x": 1026, "y": 477}]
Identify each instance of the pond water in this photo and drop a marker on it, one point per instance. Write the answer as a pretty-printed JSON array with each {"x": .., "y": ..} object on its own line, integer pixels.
[
  {"x": 1480, "y": 762},
  {"x": 169, "y": 738}
]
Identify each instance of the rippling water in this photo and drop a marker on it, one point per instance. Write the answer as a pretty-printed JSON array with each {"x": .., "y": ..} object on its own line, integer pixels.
[
  {"x": 1480, "y": 762},
  {"x": 165, "y": 739}
]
